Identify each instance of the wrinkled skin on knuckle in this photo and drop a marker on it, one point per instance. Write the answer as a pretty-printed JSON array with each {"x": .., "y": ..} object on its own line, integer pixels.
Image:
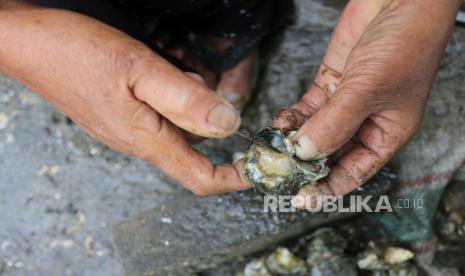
[
  {"x": 311, "y": 102},
  {"x": 189, "y": 180},
  {"x": 384, "y": 137},
  {"x": 144, "y": 128},
  {"x": 384, "y": 143},
  {"x": 154, "y": 140},
  {"x": 103, "y": 103},
  {"x": 126, "y": 124},
  {"x": 130, "y": 60},
  {"x": 404, "y": 132},
  {"x": 195, "y": 179}
]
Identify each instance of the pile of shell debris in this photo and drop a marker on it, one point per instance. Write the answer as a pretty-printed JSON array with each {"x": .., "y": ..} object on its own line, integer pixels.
[
  {"x": 355, "y": 248},
  {"x": 331, "y": 251}
]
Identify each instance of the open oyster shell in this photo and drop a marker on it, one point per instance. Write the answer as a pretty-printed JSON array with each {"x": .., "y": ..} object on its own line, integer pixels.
[{"x": 271, "y": 166}]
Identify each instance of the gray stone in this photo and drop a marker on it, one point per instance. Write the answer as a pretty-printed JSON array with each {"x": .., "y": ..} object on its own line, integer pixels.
[{"x": 190, "y": 233}]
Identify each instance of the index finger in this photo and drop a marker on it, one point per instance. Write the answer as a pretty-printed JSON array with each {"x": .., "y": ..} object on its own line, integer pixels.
[{"x": 356, "y": 16}]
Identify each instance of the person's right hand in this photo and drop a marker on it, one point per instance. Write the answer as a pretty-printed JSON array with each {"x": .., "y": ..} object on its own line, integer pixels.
[
  {"x": 370, "y": 93},
  {"x": 119, "y": 91}
]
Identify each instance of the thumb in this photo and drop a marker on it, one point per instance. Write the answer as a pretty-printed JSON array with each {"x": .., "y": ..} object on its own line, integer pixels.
[
  {"x": 184, "y": 100},
  {"x": 332, "y": 126}
]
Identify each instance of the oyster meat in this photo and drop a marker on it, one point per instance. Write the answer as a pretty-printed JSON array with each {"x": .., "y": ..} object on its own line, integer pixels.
[{"x": 271, "y": 166}]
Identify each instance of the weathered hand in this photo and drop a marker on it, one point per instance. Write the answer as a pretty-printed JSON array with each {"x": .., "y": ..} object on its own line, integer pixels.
[
  {"x": 119, "y": 91},
  {"x": 370, "y": 92}
]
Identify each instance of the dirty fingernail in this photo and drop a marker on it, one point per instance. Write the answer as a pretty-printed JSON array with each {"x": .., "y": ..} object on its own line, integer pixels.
[
  {"x": 298, "y": 201},
  {"x": 224, "y": 117},
  {"x": 239, "y": 165},
  {"x": 306, "y": 149},
  {"x": 310, "y": 196},
  {"x": 289, "y": 119},
  {"x": 303, "y": 199}
]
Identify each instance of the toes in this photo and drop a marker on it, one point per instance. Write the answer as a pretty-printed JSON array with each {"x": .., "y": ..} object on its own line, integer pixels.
[{"x": 235, "y": 85}]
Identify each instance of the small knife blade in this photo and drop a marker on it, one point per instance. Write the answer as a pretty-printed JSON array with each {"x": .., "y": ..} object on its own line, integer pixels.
[{"x": 244, "y": 133}]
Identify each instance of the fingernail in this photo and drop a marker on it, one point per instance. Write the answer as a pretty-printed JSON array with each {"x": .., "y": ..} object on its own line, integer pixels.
[
  {"x": 289, "y": 119},
  {"x": 307, "y": 197},
  {"x": 239, "y": 165},
  {"x": 306, "y": 149},
  {"x": 223, "y": 117},
  {"x": 310, "y": 196}
]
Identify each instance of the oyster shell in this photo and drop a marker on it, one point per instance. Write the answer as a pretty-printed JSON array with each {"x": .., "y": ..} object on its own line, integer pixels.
[
  {"x": 271, "y": 166},
  {"x": 256, "y": 267},
  {"x": 279, "y": 262},
  {"x": 451, "y": 225},
  {"x": 326, "y": 254},
  {"x": 386, "y": 261},
  {"x": 282, "y": 261}
]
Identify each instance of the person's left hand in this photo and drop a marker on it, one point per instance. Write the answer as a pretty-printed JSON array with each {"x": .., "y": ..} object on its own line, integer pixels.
[{"x": 370, "y": 92}]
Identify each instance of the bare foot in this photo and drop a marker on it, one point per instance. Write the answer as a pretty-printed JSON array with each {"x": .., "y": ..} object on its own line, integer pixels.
[{"x": 234, "y": 85}]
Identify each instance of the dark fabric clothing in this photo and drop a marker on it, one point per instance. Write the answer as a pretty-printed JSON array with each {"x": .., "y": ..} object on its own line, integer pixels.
[{"x": 246, "y": 22}]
